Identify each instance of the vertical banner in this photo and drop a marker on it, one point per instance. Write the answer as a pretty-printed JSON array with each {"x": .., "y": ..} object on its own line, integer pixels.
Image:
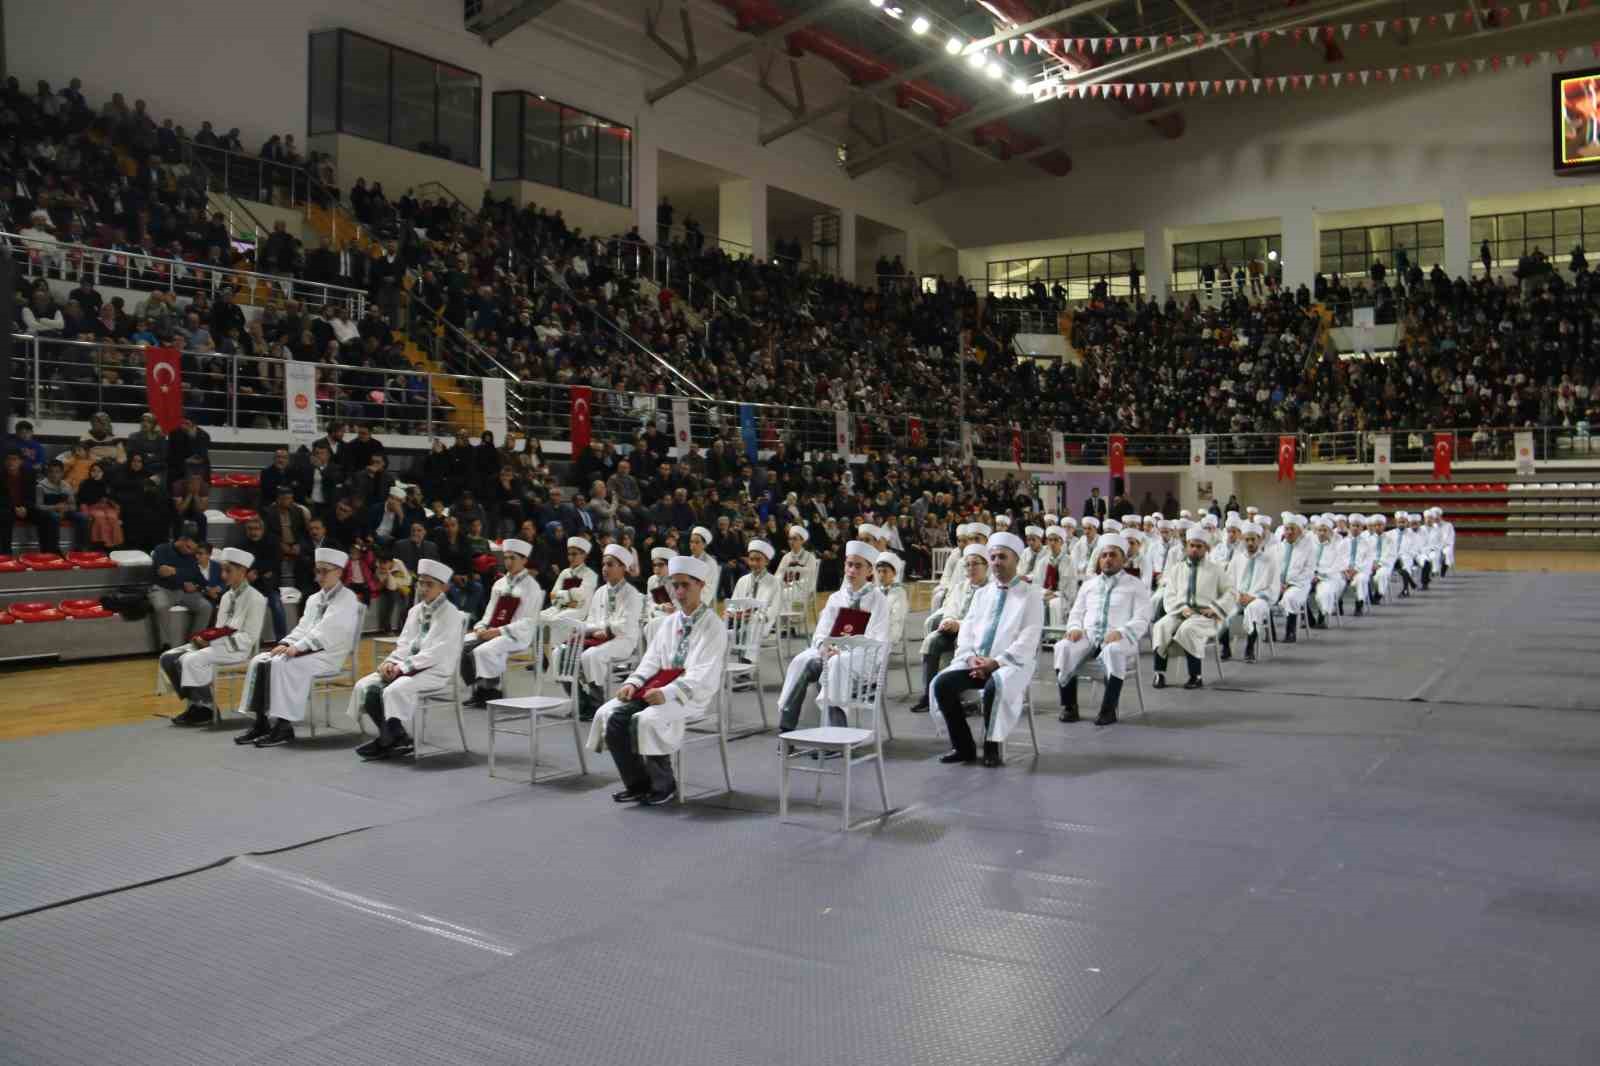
[
  {"x": 1444, "y": 449},
  {"x": 163, "y": 385},
  {"x": 580, "y": 418},
  {"x": 914, "y": 430},
  {"x": 966, "y": 442},
  {"x": 747, "y": 430},
  {"x": 1286, "y": 450},
  {"x": 1525, "y": 453},
  {"x": 1382, "y": 457},
  {"x": 494, "y": 408},
  {"x": 1197, "y": 454},
  {"x": 841, "y": 434},
  {"x": 680, "y": 427},
  {"x": 1058, "y": 449},
  {"x": 300, "y": 401},
  {"x": 1117, "y": 454},
  {"x": 1016, "y": 447}
]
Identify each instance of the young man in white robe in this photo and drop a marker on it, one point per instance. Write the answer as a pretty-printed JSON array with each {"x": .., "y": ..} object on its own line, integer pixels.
[
  {"x": 761, "y": 584},
  {"x": 1383, "y": 556},
  {"x": 1139, "y": 553},
  {"x": 888, "y": 569},
  {"x": 953, "y": 567},
  {"x": 1231, "y": 542},
  {"x": 676, "y": 682},
  {"x": 1295, "y": 563},
  {"x": 507, "y": 627},
  {"x": 1356, "y": 553},
  {"x": 1196, "y": 599},
  {"x": 1406, "y": 543},
  {"x": 575, "y": 585},
  {"x": 1083, "y": 548},
  {"x": 423, "y": 662},
  {"x": 1254, "y": 589},
  {"x": 797, "y": 571},
  {"x": 996, "y": 651},
  {"x": 610, "y": 630},
  {"x": 659, "y": 605},
  {"x": 1033, "y": 537},
  {"x": 825, "y": 667},
  {"x": 1054, "y": 577},
  {"x": 1447, "y": 542},
  {"x": 700, "y": 550},
  {"x": 192, "y": 667},
  {"x": 1327, "y": 566},
  {"x": 277, "y": 687},
  {"x": 944, "y": 624},
  {"x": 1109, "y": 617}
]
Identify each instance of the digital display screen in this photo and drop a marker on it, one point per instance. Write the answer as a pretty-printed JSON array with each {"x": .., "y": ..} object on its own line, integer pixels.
[{"x": 1577, "y": 120}]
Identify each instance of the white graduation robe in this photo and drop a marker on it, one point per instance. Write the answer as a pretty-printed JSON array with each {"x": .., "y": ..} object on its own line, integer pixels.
[
  {"x": 571, "y": 603},
  {"x": 428, "y": 659},
  {"x": 1255, "y": 576},
  {"x": 617, "y": 609},
  {"x": 324, "y": 638},
  {"x": 955, "y": 607},
  {"x": 834, "y": 687},
  {"x": 769, "y": 590},
  {"x": 656, "y": 613},
  {"x": 954, "y": 571},
  {"x": 660, "y": 728},
  {"x": 1211, "y": 586},
  {"x": 243, "y": 610},
  {"x": 1103, "y": 604},
  {"x": 1057, "y": 601},
  {"x": 1082, "y": 555},
  {"x": 489, "y": 656},
  {"x": 1015, "y": 644},
  {"x": 1295, "y": 567}
]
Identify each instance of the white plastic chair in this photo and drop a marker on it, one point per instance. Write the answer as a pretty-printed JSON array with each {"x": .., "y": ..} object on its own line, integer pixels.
[
  {"x": 864, "y": 703},
  {"x": 1092, "y": 669},
  {"x": 746, "y": 627},
  {"x": 450, "y": 697},
  {"x": 346, "y": 676},
  {"x": 544, "y": 712},
  {"x": 717, "y": 716}
]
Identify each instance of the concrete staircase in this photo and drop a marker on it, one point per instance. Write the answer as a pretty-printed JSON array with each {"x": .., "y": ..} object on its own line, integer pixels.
[{"x": 468, "y": 412}]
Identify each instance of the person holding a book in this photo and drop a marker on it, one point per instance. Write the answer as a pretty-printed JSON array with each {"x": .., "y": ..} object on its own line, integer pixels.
[
  {"x": 761, "y": 584},
  {"x": 422, "y": 663},
  {"x": 574, "y": 586},
  {"x": 506, "y": 628},
  {"x": 192, "y": 667},
  {"x": 658, "y": 589},
  {"x": 858, "y": 608},
  {"x": 676, "y": 682},
  {"x": 611, "y": 630},
  {"x": 943, "y": 624},
  {"x": 798, "y": 572}
]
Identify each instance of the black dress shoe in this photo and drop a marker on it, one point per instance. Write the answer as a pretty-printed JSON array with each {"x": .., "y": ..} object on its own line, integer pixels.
[
  {"x": 655, "y": 799},
  {"x": 282, "y": 733},
  {"x": 920, "y": 707},
  {"x": 370, "y": 749},
  {"x": 194, "y": 715},
  {"x": 1226, "y": 654},
  {"x": 630, "y": 795},
  {"x": 1194, "y": 682},
  {"x": 476, "y": 700},
  {"x": 991, "y": 754},
  {"x": 1359, "y": 610},
  {"x": 957, "y": 757},
  {"x": 1106, "y": 718},
  {"x": 1159, "y": 682},
  {"x": 253, "y": 734},
  {"x": 1068, "y": 714},
  {"x": 1290, "y": 638}
]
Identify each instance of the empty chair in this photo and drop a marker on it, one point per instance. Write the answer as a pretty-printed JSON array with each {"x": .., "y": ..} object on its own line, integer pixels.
[
  {"x": 863, "y": 705},
  {"x": 541, "y": 712}
]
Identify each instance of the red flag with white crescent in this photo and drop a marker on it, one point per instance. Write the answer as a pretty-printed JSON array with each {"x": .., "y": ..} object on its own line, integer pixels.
[
  {"x": 1016, "y": 447},
  {"x": 580, "y": 418},
  {"x": 1117, "y": 454},
  {"x": 918, "y": 440},
  {"x": 1444, "y": 449},
  {"x": 163, "y": 386},
  {"x": 1286, "y": 450}
]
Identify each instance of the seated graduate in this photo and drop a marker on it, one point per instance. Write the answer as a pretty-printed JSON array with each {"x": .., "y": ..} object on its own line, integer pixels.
[
  {"x": 277, "y": 687},
  {"x": 658, "y": 590},
  {"x": 996, "y": 650},
  {"x": 611, "y": 630},
  {"x": 1196, "y": 598},
  {"x": 506, "y": 628},
  {"x": 761, "y": 584},
  {"x": 945, "y": 623},
  {"x": 569, "y": 597},
  {"x": 423, "y": 661},
  {"x": 676, "y": 682},
  {"x": 1109, "y": 617},
  {"x": 857, "y": 609},
  {"x": 193, "y": 666}
]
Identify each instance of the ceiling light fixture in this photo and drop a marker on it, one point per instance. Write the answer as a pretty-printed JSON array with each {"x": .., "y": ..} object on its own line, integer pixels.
[
  {"x": 976, "y": 59},
  {"x": 953, "y": 46},
  {"x": 920, "y": 24},
  {"x": 994, "y": 70}
]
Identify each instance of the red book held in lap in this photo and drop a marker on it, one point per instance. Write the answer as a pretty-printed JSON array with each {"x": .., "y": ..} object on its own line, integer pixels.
[
  {"x": 662, "y": 679},
  {"x": 594, "y": 640},
  {"x": 660, "y": 594},
  {"x": 572, "y": 583},
  {"x": 504, "y": 611},
  {"x": 1052, "y": 578},
  {"x": 216, "y": 633},
  {"x": 850, "y": 623}
]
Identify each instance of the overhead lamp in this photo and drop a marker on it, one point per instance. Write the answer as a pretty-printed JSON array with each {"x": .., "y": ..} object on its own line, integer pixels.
[
  {"x": 1273, "y": 256},
  {"x": 976, "y": 59},
  {"x": 877, "y": 3},
  {"x": 953, "y": 45},
  {"x": 920, "y": 24},
  {"x": 1020, "y": 86},
  {"x": 994, "y": 70}
]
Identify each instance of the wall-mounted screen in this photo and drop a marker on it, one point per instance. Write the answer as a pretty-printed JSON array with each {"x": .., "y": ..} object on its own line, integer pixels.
[{"x": 1576, "y": 103}]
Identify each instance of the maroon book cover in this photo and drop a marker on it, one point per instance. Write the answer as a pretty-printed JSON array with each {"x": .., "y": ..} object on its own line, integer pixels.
[
  {"x": 660, "y": 594},
  {"x": 662, "y": 679},
  {"x": 504, "y": 611},
  {"x": 216, "y": 633},
  {"x": 850, "y": 623},
  {"x": 594, "y": 640},
  {"x": 1052, "y": 578},
  {"x": 572, "y": 583}
]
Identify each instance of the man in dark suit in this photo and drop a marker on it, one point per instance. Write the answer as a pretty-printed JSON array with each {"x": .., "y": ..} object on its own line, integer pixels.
[
  {"x": 1095, "y": 505},
  {"x": 19, "y": 485}
]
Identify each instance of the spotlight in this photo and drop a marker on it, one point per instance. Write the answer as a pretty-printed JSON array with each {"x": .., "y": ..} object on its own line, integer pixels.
[
  {"x": 1273, "y": 256},
  {"x": 976, "y": 59},
  {"x": 1020, "y": 86},
  {"x": 953, "y": 45},
  {"x": 877, "y": 3},
  {"x": 920, "y": 24},
  {"x": 994, "y": 70}
]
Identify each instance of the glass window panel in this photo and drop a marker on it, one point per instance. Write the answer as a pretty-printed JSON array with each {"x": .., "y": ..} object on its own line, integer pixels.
[
  {"x": 1483, "y": 229},
  {"x": 460, "y": 103},
  {"x": 1569, "y": 222},
  {"x": 364, "y": 94},
  {"x": 1058, "y": 266},
  {"x": 1431, "y": 235},
  {"x": 411, "y": 123},
  {"x": 505, "y": 154},
  {"x": 1232, "y": 252},
  {"x": 1185, "y": 256},
  {"x": 1210, "y": 252},
  {"x": 1036, "y": 269},
  {"x": 1539, "y": 225},
  {"x": 1330, "y": 242},
  {"x": 1512, "y": 227},
  {"x": 577, "y": 151},
  {"x": 324, "y": 82},
  {"x": 1591, "y": 219},
  {"x": 1353, "y": 240},
  {"x": 1330, "y": 264},
  {"x": 1138, "y": 259},
  {"x": 608, "y": 166},
  {"x": 1275, "y": 244},
  {"x": 1119, "y": 262},
  {"x": 1077, "y": 266},
  {"x": 1099, "y": 265},
  {"x": 541, "y": 141},
  {"x": 997, "y": 270},
  {"x": 1378, "y": 242}
]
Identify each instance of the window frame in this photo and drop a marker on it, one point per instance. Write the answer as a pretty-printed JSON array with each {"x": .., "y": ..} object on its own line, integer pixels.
[{"x": 597, "y": 122}]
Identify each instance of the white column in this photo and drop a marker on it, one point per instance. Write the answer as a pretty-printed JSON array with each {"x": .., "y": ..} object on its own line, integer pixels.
[
  {"x": 1300, "y": 252},
  {"x": 1458, "y": 249},
  {"x": 742, "y": 217},
  {"x": 646, "y": 185},
  {"x": 847, "y": 245},
  {"x": 1157, "y": 262}
]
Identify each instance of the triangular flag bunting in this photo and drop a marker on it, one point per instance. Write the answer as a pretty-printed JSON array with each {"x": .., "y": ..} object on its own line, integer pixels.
[
  {"x": 1123, "y": 43},
  {"x": 1281, "y": 83},
  {"x": 1346, "y": 29},
  {"x": 1323, "y": 78},
  {"x": 1205, "y": 87},
  {"x": 1364, "y": 75},
  {"x": 1336, "y": 76},
  {"x": 1391, "y": 73},
  {"x": 1229, "y": 83},
  {"x": 1561, "y": 55},
  {"x": 1255, "y": 85},
  {"x": 1522, "y": 9},
  {"x": 1450, "y": 19},
  {"x": 1415, "y": 22},
  {"x": 1013, "y": 44},
  {"x": 1094, "y": 44},
  {"x": 1561, "y": 5},
  {"x": 1379, "y": 27},
  {"x": 1199, "y": 38},
  {"x": 1480, "y": 63}
]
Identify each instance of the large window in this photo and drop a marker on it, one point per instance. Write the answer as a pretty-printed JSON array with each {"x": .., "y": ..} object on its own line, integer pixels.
[
  {"x": 1077, "y": 273},
  {"x": 1351, "y": 252},
  {"x": 369, "y": 89},
  {"x": 1189, "y": 261},
  {"x": 536, "y": 139},
  {"x": 1555, "y": 233}
]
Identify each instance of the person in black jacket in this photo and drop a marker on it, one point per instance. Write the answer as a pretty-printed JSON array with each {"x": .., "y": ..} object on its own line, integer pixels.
[
  {"x": 268, "y": 564},
  {"x": 19, "y": 485},
  {"x": 188, "y": 442}
]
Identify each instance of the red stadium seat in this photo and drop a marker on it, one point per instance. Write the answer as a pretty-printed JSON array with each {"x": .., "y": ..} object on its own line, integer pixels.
[
  {"x": 85, "y": 558},
  {"x": 219, "y": 481},
  {"x": 78, "y": 605},
  {"x": 240, "y": 514},
  {"x": 40, "y": 561},
  {"x": 30, "y": 607},
  {"x": 90, "y": 612},
  {"x": 245, "y": 481},
  {"x": 51, "y": 615},
  {"x": 102, "y": 563},
  {"x": 6, "y": 619},
  {"x": 485, "y": 564},
  {"x": 11, "y": 566}
]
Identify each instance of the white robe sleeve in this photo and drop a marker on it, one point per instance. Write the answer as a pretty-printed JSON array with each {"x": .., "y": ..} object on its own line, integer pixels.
[
  {"x": 442, "y": 644},
  {"x": 1138, "y": 623},
  {"x": 335, "y": 631},
  {"x": 1024, "y": 647},
  {"x": 526, "y": 620},
  {"x": 702, "y": 670}
]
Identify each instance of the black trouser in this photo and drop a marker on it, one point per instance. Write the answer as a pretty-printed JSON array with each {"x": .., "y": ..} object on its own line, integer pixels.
[
  {"x": 261, "y": 693},
  {"x": 948, "y": 689},
  {"x": 46, "y": 523},
  {"x": 943, "y": 644},
  {"x": 789, "y": 714},
  {"x": 469, "y": 666},
  {"x": 639, "y": 774}
]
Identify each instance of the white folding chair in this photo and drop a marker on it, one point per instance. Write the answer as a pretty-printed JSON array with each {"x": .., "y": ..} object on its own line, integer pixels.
[
  {"x": 796, "y": 617},
  {"x": 1093, "y": 670},
  {"x": 975, "y": 696},
  {"x": 232, "y": 672},
  {"x": 717, "y": 716},
  {"x": 864, "y": 703},
  {"x": 544, "y": 712},
  {"x": 746, "y": 627},
  {"x": 450, "y": 697},
  {"x": 346, "y": 676}
]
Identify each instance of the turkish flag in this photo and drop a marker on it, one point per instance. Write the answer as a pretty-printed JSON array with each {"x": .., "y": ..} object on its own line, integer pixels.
[
  {"x": 1117, "y": 454},
  {"x": 1286, "y": 449},
  {"x": 163, "y": 386},
  {"x": 1444, "y": 449},
  {"x": 917, "y": 438},
  {"x": 580, "y": 418},
  {"x": 1016, "y": 447}
]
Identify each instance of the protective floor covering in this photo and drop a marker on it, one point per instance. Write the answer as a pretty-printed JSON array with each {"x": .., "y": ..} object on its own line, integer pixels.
[{"x": 1397, "y": 866}]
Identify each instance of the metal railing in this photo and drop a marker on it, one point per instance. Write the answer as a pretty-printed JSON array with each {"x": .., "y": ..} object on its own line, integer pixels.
[
  {"x": 37, "y": 258},
  {"x": 250, "y": 177}
]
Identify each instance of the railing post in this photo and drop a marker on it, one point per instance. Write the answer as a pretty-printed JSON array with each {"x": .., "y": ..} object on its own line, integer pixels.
[
  {"x": 233, "y": 393},
  {"x": 430, "y": 433},
  {"x": 38, "y": 379}
]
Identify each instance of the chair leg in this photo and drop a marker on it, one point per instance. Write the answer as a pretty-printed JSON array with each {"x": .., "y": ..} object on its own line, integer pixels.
[
  {"x": 577, "y": 740},
  {"x": 1033, "y": 732},
  {"x": 783, "y": 779},
  {"x": 722, "y": 743},
  {"x": 533, "y": 744},
  {"x": 677, "y": 774},
  {"x": 883, "y": 789},
  {"x": 461, "y": 725},
  {"x": 883, "y": 716},
  {"x": 849, "y": 757}
]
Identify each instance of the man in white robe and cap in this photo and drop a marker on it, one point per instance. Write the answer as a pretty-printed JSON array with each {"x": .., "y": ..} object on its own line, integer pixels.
[
  {"x": 569, "y": 597},
  {"x": 1054, "y": 577},
  {"x": 760, "y": 583},
  {"x": 1356, "y": 553},
  {"x": 797, "y": 571},
  {"x": 1295, "y": 562},
  {"x": 1034, "y": 538},
  {"x": 277, "y": 686},
  {"x": 425, "y": 658},
  {"x": 610, "y": 629},
  {"x": 506, "y": 628},
  {"x": 658, "y": 592},
  {"x": 192, "y": 667},
  {"x": 1254, "y": 583},
  {"x": 857, "y": 609},
  {"x": 944, "y": 624},
  {"x": 1109, "y": 617},
  {"x": 1083, "y": 548},
  {"x": 1328, "y": 585},
  {"x": 676, "y": 682},
  {"x": 953, "y": 567},
  {"x": 1196, "y": 599},
  {"x": 996, "y": 651}
]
